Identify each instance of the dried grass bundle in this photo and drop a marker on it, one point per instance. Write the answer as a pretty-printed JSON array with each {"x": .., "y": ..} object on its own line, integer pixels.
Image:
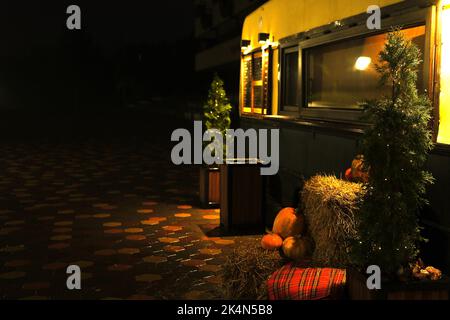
[
  {"x": 329, "y": 205},
  {"x": 246, "y": 271}
]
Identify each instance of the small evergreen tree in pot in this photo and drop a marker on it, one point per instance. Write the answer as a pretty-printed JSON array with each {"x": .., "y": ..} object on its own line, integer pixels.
[
  {"x": 395, "y": 149},
  {"x": 217, "y": 108},
  {"x": 216, "y": 113}
]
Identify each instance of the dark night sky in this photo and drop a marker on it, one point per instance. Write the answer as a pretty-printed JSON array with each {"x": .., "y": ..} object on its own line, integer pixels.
[
  {"x": 125, "y": 52},
  {"x": 112, "y": 24}
]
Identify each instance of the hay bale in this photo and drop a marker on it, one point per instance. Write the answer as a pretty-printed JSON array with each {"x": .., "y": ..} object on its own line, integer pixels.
[
  {"x": 246, "y": 271},
  {"x": 330, "y": 205}
]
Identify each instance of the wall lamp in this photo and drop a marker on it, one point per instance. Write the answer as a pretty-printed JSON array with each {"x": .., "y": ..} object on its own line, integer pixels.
[
  {"x": 263, "y": 38},
  {"x": 245, "y": 44}
]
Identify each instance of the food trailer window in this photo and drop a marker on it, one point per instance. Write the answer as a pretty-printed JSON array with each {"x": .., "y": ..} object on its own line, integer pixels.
[
  {"x": 341, "y": 75},
  {"x": 255, "y": 82}
]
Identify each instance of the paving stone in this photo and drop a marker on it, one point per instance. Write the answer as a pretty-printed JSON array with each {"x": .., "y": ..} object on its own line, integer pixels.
[
  {"x": 105, "y": 252},
  {"x": 62, "y": 230},
  {"x": 121, "y": 214},
  {"x": 63, "y": 223},
  {"x": 210, "y": 268},
  {"x": 145, "y": 211},
  {"x": 211, "y": 217},
  {"x": 17, "y": 263},
  {"x": 101, "y": 215},
  {"x": 136, "y": 237},
  {"x": 36, "y": 286},
  {"x": 12, "y": 249},
  {"x": 183, "y": 215},
  {"x": 112, "y": 224},
  {"x": 59, "y": 246},
  {"x": 155, "y": 259},
  {"x": 130, "y": 251},
  {"x": 168, "y": 240},
  {"x": 193, "y": 263},
  {"x": 13, "y": 275},
  {"x": 83, "y": 264},
  {"x": 148, "y": 278},
  {"x": 119, "y": 267},
  {"x": 55, "y": 266},
  {"x": 224, "y": 242},
  {"x": 113, "y": 231},
  {"x": 61, "y": 238},
  {"x": 211, "y": 252},
  {"x": 173, "y": 228},
  {"x": 134, "y": 230},
  {"x": 174, "y": 248}
]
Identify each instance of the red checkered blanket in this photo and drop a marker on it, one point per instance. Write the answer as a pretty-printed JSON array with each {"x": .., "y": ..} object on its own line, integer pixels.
[{"x": 295, "y": 283}]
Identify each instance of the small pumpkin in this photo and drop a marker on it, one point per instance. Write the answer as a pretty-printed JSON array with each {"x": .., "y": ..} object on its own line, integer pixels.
[
  {"x": 348, "y": 174},
  {"x": 435, "y": 274},
  {"x": 297, "y": 248},
  {"x": 271, "y": 241},
  {"x": 359, "y": 172},
  {"x": 288, "y": 223}
]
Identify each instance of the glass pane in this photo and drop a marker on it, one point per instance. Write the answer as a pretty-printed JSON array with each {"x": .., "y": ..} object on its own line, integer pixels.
[
  {"x": 257, "y": 69},
  {"x": 258, "y": 96},
  {"x": 247, "y": 83},
  {"x": 342, "y": 74},
  {"x": 290, "y": 79}
]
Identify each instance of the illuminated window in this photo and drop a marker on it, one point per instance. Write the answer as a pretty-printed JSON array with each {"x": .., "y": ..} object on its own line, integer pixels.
[
  {"x": 255, "y": 81},
  {"x": 444, "y": 99},
  {"x": 341, "y": 75}
]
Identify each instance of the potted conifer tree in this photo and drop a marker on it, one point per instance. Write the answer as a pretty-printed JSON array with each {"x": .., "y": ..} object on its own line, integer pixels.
[
  {"x": 216, "y": 114},
  {"x": 395, "y": 148}
]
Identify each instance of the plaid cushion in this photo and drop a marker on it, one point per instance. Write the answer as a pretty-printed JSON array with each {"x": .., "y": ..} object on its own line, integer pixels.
[{"x": 295, "y": 283}]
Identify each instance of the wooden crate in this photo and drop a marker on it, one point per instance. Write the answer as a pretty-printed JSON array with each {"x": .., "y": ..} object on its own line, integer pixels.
[
  {"x": 241, "y": 198},
  {"x": 209, "y": 187}
]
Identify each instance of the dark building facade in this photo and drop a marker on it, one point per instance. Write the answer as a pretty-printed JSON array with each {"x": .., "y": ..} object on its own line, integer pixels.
[{"x": 218, "y": 27}]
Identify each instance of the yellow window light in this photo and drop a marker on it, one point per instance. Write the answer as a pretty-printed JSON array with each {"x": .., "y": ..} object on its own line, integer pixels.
[
  {"x": 444, "y": 100},
  {"x": 362, "y": 63}
]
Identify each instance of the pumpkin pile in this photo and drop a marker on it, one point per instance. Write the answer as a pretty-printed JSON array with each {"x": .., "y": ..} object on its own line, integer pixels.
[
  {"x": 288, "y": 235},
  {"x": 420, "y": 271},
  {"x": 357, "y": 172}
]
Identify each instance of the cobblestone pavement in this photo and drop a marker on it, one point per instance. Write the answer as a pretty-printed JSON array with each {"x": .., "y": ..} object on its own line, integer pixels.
[{"x": 118, "y": 209}]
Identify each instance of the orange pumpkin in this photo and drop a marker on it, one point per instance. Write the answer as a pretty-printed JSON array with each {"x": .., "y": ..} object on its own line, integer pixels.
[
  {"x": 288, "y": 223},
  {"x": 271, "y": 242},
  {"x": 348, "y": 174},
  {"x": 297, "y": 248}
]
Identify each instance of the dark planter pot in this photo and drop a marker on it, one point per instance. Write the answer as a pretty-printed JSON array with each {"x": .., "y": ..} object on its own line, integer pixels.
[
  {"x": 414, "y": 290},
  {"x": 241, "y": 197},
  {"x": 209, "y": 187}
]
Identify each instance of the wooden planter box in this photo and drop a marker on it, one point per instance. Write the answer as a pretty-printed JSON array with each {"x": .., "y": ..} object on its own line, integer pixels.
[
  {"x": 414, "y": 290},
  {"x": 209, "y": 187},
  {"x": 241, "y": 197}
]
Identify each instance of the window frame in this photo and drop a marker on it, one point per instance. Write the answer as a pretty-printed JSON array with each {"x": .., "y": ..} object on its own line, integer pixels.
[
  {"x": 265, "y": 82},
  {"x": 285, "y": 109},
  {"x": 405, "y": 18}
]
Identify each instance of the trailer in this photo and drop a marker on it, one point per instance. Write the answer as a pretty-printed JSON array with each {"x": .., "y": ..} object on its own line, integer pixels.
[{"x": 306, "y": 66}]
